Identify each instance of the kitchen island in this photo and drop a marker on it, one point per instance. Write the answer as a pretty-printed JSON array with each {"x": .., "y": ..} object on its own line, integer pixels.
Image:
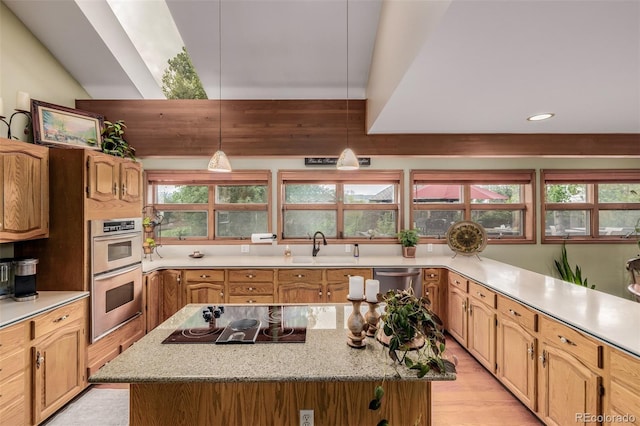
[{"x": 267, "y": 384}]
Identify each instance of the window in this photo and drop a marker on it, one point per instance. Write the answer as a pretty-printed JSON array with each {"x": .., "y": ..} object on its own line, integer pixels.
[
  {"x": 342, "y": 205},
  {"x": 590, "y": 205},
  {"x": 501, "y": 201},
  {"x": 202, "y": 206}
]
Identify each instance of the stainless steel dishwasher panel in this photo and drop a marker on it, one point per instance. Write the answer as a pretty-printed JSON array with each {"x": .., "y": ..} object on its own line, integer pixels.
[{"x": 399, "y": 279}]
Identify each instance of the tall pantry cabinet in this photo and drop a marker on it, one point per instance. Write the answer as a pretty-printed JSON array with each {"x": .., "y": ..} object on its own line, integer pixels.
[{"x": 85, "y": 184}]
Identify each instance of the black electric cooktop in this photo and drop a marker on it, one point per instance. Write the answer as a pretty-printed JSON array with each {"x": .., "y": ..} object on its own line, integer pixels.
[{"x": 244, "y": 324}]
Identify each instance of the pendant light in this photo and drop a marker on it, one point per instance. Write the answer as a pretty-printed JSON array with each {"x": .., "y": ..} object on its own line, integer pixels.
[
  {"x": 348, "y": 159},
  {"x": 219, "y": 162}
]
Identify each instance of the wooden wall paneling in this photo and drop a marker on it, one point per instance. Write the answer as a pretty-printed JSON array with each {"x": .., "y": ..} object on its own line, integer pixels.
[{"x": 161, "y": 128}]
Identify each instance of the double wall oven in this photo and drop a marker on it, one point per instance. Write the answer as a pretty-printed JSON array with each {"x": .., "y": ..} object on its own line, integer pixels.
[{"x": 116, "y": 274}]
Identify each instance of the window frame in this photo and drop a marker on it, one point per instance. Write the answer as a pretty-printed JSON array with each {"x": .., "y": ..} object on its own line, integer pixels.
[
  {"x": 466, "y": 178},
  {"x": 211, "y": 180},
  {"x": 341, "y": 178},
  {"x": 591, "y": 177}
]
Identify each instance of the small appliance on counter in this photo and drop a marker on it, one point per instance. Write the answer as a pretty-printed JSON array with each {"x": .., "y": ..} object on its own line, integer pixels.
[
  {"x": 25, "y": 279},
  {"x": 6, "y": 278}
]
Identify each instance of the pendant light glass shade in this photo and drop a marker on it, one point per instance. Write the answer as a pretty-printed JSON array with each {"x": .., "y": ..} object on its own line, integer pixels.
[
  {"x": 347, "y": 160},
  {"x": 219, "y": 163}
]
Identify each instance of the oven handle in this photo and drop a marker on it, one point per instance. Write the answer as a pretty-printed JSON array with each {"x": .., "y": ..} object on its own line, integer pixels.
[
  {"x": 117, "y": 272},
  {"x": 117, "y": 237}
]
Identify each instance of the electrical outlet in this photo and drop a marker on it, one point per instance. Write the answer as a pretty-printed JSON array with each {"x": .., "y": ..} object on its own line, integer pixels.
[
  {"x": 244, "y": 248},
  {"x": 347, "y": 248},
  {"x": 306, "y": 417},
  {"x": 429, "y": 247}
]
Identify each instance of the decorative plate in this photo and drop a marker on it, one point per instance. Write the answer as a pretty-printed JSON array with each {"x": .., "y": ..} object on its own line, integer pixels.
[{"x": 466, "y": 237}]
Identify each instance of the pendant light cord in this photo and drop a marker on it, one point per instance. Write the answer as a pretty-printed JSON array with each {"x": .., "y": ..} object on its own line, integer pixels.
[
  {"x": 220, "y": 75},
  {"x": 347, "y": 73}
]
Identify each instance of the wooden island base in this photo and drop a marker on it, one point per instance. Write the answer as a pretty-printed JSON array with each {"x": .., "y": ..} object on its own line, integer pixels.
[{"x": 278, "y": 403}]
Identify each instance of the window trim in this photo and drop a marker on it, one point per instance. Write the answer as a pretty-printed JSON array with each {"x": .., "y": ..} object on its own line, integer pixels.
[
  {"x": 526, "y": 177},
  {"x": 339, "y": 178},
  {"x": 205, "y": 177},
  {"x": 588, "y": 177}
]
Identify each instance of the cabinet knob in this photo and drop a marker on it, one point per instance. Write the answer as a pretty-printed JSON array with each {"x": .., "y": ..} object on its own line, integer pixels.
[
  {"x": 250, "y": 289},
  {"x": 328, "y": 294},
  {"x": 299, "y": 276},
  {"x": 480, "y": 294},
  {"x": 250, "y": 301},
  {"x": 514, "y": 313},
  {"x": 320, "y": 293},
  {"x": 250, "y": 275},
  {"x": 62, "y": 318},
  {"x": 115, "y": 188},
  {"x": 39, "y": 359},
  {"x": 204, "y": 276},
  {"x": 530, "y": 350},
  {"x": 566, "y": 341},
  {"x": 431, "y": 275},
  {"x": 124, "y": 189}
]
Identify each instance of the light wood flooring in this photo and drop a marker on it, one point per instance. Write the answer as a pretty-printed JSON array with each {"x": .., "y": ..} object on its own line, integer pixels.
[{"x": 476, "y": 398}]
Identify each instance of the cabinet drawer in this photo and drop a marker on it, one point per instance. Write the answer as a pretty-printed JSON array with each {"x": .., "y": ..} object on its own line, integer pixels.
[
  {"x": 248, "y": 289},
  {"x": 430, "y": 274},
  {"x": 300, "y": 275},
  {"x": 483, "y": 294},
  {"x": 244, "y": 275},
  {"x": 571, "y": 341},
  {"x": 251, "y": 299},
  {"x": 13, "y": 412},
  {"x": 13, "y": 363},
  {"x": 344, "y": 274},
  {"x": 204, "y": 275},
  {"x": 46, "y": 323},
  {"x": 458, "y": 281},
  {"x": 625, "y": 369},
  {"x": 518, "y": 313},
  {"x": 12, "y": 337},
  {"x": 12, "y": 389}
]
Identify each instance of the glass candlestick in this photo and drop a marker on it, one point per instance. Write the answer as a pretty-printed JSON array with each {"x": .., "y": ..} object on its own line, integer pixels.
[
  {"x": 356, "y": 325},
  {"x": 372, "y": 317}
]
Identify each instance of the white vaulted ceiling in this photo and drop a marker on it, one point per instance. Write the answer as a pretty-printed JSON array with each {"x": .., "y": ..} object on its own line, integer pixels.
[{"x": 459, "y": 66}]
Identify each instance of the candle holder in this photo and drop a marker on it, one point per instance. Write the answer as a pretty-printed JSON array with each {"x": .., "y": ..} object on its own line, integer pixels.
[
  {"x": 356, "y": 325},
  {"x": 372, "y": 317}
]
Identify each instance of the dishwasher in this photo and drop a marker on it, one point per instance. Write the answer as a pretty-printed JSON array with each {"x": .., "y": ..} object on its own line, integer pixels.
[{"x": 399, "y": 279}]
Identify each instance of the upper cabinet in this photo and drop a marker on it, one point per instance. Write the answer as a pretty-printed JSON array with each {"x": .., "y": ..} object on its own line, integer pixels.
[
  {"x": 24, "y": 205},
  {"x": 113, "y": 182}
]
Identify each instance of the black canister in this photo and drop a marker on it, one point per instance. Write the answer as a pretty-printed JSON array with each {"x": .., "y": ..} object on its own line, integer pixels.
[{"x": 25, "y": 279}]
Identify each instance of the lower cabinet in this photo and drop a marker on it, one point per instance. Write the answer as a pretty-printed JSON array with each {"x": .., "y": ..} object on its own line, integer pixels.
[
  {"x": 481, "y": 337},
  {"x": 152, "y": 300},
  {"x": 203, "y": 286},
  {"x": 114, "y": 343},
  {"x": 58, "y": 357},
  {"x": 251, "y": 286},
  {"x": 622, "y": 398},
  {"x": 14, "y": 375},
  {"x": 300, "y": 286},
  {"x": 172, "y": 298},
  {"x": 457, "y": 314},
  {"x": 434, "y": 289}
]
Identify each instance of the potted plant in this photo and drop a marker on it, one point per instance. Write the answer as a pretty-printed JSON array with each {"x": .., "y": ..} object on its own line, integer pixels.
[
  {"x": 148, "y": 245},
  {"x": 409, "y": 239},
  {"x": 566, "y": 272},
  {"x": 414, "y": 336},
  {"x": 113, "y": 141},
  {"x": 148, "y": 224}
]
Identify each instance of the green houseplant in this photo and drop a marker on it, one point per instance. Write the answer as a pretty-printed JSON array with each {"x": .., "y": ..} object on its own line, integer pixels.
[
  {"x": 409, "y": 239},
  {"x": 113, "y": 141},
  {"x": 414, "y": 336},
  {"x": 148, "y": 245},
  {"x": 567, "y": 273}
]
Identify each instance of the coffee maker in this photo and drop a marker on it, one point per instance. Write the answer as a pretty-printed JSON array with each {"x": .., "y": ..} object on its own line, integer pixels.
[
  {"x": 6, "y": 278},
  {"x": 25, "y": 280}
]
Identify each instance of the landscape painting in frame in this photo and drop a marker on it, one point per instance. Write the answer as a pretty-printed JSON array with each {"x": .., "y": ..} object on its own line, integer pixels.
[{"x": 56, "y": 125}]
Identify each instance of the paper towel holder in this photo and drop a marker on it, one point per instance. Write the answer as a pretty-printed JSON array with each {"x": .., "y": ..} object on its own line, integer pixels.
[{"x": 263, "y": 237}]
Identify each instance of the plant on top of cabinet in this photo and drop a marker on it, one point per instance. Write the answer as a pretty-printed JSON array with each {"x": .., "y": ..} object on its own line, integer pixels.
[
  {"x": 113, "y": 141},
  {"x": 566, "y": 272},
  {"x": 409, "y": 239}
]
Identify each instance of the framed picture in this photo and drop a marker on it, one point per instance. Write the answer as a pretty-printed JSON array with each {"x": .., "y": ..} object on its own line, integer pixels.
[{"x": 59, "y": 126}]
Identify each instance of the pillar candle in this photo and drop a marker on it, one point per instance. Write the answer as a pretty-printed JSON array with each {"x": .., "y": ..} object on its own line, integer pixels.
[
  {"x": 1, "y": 108},
  {"x": 23, "y": 102},
  {"x": 356, "y": 287},
  {"x": 372, "y": 288}
]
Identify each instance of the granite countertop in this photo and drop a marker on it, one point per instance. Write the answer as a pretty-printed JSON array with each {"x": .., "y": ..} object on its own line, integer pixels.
[
  {"x": 12, "y": 311},
  {"x": 610, "y": 319},
  {"x": 324, "y": 356}
]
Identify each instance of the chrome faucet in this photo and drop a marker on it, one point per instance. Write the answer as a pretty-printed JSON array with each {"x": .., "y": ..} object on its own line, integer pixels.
[{"x": 316, "y": 248}]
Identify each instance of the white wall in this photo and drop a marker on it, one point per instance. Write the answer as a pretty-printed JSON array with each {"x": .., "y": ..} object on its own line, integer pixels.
[{"x": 602, "y": 264}]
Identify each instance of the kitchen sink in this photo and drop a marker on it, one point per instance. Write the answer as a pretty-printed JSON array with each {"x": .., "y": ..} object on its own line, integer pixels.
[{"x": 325, "y": 260}]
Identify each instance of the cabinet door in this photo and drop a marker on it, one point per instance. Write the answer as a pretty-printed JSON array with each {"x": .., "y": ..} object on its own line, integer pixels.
[
  {"x": 130, "y": 181},
  {"x": 204, "y": 293},
  {"x": 567, "y": 388},
  {"x": 153, "y": 300},
  {"x": 103, "y": 177},
  {"x": 58, "y": 366},
  {"x": 432, "y": 291},
  {"x": 171, "y": 292},
  {"x": 481, "y": 338},
  {"x": 337, "y": 292},
  {"x": 457, "y": 315},
  {"x": 300, "y": 293},
  {"x": 24, "y": 204},
  {"x": 516, "y": 359}
]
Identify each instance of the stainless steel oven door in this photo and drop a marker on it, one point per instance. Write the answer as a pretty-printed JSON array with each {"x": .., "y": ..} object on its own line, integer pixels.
[
  {"x": 116, "y": 298},
  {"x": 116, "y": 251}
]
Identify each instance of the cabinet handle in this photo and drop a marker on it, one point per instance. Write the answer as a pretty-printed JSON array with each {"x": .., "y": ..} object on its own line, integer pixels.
[
  {"x": 464, "y": 306},
  {"x": 530, "y": 350},
  {"x": 480, "y": 294},
  {"x": 62, "y": 318},
  {"x": 222, "y": 294},
  {"x": 124, "y": 189},
  {"x": 320, "y": 293},
  {"x": 426, "y": 293},
  {"x": 470, "y": 310},
  {"x": 39, "y": 359},
  {"x": 300, "y": 276},
  {"x": 249, "y": 275},
  {"x": 514, "y": 313},
  {"x": 250, "y": 288},
  {"x": 250, "y": 301},
  {"x": 431, "y": 275},
  {"x": 115, "y": 188},
  {"x": 328, "y": 294},
  {"x": 204, "y": 276},
  {"x": 543, "y": 358},
  {"x": 565, "y": 340}
]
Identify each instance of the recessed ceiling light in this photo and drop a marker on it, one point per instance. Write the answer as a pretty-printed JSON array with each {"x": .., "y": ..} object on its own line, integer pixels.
[{"x": 539, "y": 117}]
